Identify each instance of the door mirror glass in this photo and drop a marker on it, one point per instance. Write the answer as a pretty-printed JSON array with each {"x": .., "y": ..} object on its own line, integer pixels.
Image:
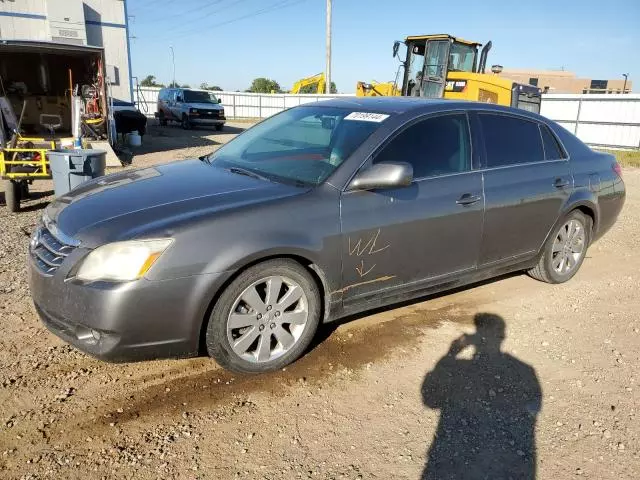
[
  {"x": 396, "y": 47},
  {"x": 219, "y": 100},
  {"x": 383, "y": 175}
]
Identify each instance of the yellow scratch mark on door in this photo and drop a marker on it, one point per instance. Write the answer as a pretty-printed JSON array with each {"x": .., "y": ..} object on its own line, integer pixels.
[{"x": 361, "y": 271}]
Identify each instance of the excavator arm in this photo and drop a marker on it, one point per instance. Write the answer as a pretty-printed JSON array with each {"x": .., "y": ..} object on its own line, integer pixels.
[{"x": 318, "y": 79}]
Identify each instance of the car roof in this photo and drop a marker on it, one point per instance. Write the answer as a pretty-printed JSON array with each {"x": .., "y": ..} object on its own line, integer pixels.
[
  {"x": 397, "y": 105},
  {"x": 381, "y": 104}
]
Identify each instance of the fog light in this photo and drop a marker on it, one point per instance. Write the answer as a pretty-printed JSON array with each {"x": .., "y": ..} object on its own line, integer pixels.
[
  {"x": 88, "y": 335},
  {"x": 96, "y": 335}
]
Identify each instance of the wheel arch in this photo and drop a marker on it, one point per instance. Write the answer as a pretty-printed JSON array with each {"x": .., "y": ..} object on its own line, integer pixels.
[
  {"x": 317, "y": 274},
  {"x": 584, "y": 205}
]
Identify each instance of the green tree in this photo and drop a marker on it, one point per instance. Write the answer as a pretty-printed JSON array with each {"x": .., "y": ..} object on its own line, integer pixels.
[
  {"x": 150, "y": 81},
  {"x": 264, "y": 85},
  {"x": 214, "y": 88}
]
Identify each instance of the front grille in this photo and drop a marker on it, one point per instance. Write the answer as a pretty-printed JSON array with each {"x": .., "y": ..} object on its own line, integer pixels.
[
  {"x": 48, "y": 252},
  {"x": 209, "y": 113}
]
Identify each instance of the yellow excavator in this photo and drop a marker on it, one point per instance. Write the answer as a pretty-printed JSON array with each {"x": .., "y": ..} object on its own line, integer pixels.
[
  {"x": 318, "y": 80},
  {"x": 444, "y": 66}
]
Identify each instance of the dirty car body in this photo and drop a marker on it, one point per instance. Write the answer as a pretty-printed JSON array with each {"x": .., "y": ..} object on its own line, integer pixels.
[{"x": 425, "y": 198}]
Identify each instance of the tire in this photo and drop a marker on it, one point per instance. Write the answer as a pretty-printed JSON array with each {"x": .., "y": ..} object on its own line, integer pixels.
[
  {"x": 12, "y": 195},
  {"x": 552, "y": 267},
  {"x": 269, "y": 326},
  {"x": 219, "y": 128},
  {"x": 162, "y": 119},
  {"x": 185, "y": 123}
]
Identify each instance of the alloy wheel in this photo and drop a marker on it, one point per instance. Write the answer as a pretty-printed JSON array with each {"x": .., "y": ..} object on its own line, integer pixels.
[
  {"x": 267, "y": 319},
  {"x": 568, "y": 247}
]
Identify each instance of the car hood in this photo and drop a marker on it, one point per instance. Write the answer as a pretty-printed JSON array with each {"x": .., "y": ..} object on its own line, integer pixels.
[
  {"x": 127, "y": 204},
  {"x": 206, "y": 106}
]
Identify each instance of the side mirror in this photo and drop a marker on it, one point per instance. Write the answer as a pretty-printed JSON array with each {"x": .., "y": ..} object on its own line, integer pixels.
[
  {"x": 396, "y": 47},
  {"x": 219, "y": 100},
  {"x": 383, "y": 175}
]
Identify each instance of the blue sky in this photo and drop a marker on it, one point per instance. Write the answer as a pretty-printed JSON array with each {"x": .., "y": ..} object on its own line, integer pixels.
[{"x": 230, "y": 42}]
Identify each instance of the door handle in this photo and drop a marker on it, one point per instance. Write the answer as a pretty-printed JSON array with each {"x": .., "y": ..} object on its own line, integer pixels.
[
  {"x": 468, "y": 199},
  {"x": 561, "y": 183}
]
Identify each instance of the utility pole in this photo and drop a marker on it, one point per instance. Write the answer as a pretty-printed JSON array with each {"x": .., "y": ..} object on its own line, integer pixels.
[
  {"x": 624, "y": 88},
  {"x": 173, "y": 61},
  {"x": 328, "y": 68}
]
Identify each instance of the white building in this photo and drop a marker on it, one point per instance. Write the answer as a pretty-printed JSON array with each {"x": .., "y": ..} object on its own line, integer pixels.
[{"x": 101, "y": 23}]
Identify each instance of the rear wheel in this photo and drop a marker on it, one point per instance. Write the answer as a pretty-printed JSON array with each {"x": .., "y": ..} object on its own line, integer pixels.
[
  {"x": 12, "y": 195},
  {"x": 162, "y": 119},
  {"x": 265, "y": 319},
  {"x": 565, "y": 250}
]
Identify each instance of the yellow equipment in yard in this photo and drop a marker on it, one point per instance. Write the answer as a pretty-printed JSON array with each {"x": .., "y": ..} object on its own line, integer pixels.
[
  {"x": 318, "y": 80},
  {"x": 444, "y": 66},
  {"x": 21, "y": 165}
]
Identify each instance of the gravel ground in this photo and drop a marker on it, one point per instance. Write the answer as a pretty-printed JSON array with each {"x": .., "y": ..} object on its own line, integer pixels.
[{"x": 437, "y": 388}]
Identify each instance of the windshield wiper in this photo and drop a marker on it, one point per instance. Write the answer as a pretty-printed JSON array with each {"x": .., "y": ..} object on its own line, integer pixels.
[
  {"x": 206, "y": 158},
  {"x": 248, "y": 173}
]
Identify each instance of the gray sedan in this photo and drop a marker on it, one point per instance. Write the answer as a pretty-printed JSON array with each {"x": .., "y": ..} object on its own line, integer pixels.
[{"x": 316, "y": 213}]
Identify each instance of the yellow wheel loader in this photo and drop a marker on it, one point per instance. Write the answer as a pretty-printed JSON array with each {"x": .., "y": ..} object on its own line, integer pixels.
[{"x": 444, "y": 66}]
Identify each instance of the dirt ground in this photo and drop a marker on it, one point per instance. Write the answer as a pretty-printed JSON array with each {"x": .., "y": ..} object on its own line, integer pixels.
[{"x": 437, "y": 388}]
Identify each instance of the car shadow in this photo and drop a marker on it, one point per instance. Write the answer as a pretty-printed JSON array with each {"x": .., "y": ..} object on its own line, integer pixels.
[
  {"x": 488, "y": 409},
  {"x": 325, "y": 330}
]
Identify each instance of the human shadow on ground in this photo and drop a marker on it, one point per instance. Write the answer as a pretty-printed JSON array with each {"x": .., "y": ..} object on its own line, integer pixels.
[{"x": 488, "y": 409}]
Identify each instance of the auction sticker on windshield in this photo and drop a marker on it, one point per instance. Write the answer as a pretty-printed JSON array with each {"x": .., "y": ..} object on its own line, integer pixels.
[{"x": 367, "y": 117}]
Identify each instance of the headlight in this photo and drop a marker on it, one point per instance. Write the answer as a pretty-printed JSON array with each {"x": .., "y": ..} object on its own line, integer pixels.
[
  {"x": 193, "y": 110},
  {"x": 122, "y": 261}
]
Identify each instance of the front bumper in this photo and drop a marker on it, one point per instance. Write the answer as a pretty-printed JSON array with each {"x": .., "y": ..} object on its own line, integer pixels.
[
  {"x": 205, "y": 120},
  {"x": 118, "y": 322}
]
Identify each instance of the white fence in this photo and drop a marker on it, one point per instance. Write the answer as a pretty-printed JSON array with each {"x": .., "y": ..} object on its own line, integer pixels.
[
  {"x": 597, "y": 119},
  {"x": 239, "y": 104}
]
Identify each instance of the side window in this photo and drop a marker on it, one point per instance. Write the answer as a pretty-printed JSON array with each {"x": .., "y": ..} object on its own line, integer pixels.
[
  {"x": 510, "y": 140},
  {"x": 435, "y": 146},
  {"x": 552, "y": 150}
]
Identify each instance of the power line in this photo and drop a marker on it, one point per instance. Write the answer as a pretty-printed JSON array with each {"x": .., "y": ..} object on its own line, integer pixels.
[
  {"x": 169, "y": 18},
  {"x": 180, "y": 28},
  {"x": 276, "y": 6}
]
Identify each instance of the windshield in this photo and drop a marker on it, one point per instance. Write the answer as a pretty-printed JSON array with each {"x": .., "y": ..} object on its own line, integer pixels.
[
  {"x": 461, "y": 57},
  {"x": 194, "y": 96},
  {"x": 302, "y": 145}
]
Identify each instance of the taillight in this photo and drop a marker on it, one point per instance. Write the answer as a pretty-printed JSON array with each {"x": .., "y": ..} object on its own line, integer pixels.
[{"x": 617, "y": 168}]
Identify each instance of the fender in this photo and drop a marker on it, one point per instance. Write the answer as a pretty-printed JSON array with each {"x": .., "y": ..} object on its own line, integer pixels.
[{"x": 579, "y": 198}]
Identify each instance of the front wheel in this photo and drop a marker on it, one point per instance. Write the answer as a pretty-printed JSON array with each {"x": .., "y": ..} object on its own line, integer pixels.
[
  {"x": 219, "y": 127},
  {"x": 265, "y": 319},
  {"x": 565, "y": 250},
  {"x": 186, "y": 124}
]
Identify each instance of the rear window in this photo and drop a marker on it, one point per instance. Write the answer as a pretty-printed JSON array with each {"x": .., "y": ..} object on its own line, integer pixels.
[
  {"x": 510, "y": 140},
  {"x": 552, "y": 150}
]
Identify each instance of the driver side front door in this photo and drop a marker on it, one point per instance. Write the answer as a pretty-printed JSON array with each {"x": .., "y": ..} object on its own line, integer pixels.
[{"x": 403, "y": 239}]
